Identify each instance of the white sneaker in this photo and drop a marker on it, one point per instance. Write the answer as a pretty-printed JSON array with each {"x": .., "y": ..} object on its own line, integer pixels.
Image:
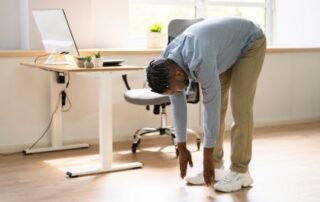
[
  {"x": 198, "y": 179},
  {"x": 233, "y": 181}
]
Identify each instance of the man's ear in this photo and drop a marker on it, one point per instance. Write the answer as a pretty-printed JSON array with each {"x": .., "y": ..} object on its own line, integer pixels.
[{"x": 179, "y": 74}]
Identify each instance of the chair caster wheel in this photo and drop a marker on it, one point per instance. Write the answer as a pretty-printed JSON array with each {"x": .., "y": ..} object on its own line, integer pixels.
[
  {"x": 198, "y": 144},
  {"x": 177, "y": 152},
  {"x": 134, "y": 147}
]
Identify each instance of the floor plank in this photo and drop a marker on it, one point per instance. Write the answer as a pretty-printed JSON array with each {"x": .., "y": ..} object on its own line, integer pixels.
[{"x": 285, "y": 167}]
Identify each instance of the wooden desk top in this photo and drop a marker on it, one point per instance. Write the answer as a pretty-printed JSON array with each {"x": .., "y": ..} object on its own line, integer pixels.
[{"x": 72, "y": 68}]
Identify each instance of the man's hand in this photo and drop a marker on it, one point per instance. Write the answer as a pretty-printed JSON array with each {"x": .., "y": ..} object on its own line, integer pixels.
[
  {"x": 184, "y": 159},
  {"x": 208, "y": 166}
]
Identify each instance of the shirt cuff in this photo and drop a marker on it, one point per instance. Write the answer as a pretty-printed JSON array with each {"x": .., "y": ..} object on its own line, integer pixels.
[{"x": 209, "y": 142}]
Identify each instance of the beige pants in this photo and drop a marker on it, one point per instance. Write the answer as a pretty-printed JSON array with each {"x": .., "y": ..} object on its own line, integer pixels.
[{"x": 242, "y": 77}]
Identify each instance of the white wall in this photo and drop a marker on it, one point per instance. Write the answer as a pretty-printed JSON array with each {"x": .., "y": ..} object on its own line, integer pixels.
[
  {"x": 78, "y": 14},
  {"x": 94, "y": 23},
  {"x": 288, "y": 92},
  {"x": 10, "y": 25},
  {"x": 292, "y": 77},
  {"x": 296, "y": 23},
  {"x": 104, "y": 23},
  {"x": 288, "y": 89},
  {"x": 110, "y": 23}
]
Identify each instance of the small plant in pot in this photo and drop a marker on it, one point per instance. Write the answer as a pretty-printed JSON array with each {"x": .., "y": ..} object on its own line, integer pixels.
[
  {"x": 98, "y": 60},
  {"x": 88, "y": 62},
  {"x": 80, "y": 61},
  {"x": 156, "y": 27},
  {"x": 155, "y": 37}
]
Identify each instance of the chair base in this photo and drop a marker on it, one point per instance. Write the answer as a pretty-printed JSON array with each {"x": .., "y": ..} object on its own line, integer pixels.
[{"x": 170, "y": 131}]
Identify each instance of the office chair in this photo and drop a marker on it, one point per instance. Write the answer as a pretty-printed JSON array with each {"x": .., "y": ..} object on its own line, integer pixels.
[{"x": 144, "y": 96}]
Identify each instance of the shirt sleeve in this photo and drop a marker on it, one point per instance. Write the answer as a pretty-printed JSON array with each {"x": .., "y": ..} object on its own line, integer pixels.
[
  {"x": 206, "y": 73},
  {"x": 211, "y": 90},
  {"x": 179, "y": 109}
]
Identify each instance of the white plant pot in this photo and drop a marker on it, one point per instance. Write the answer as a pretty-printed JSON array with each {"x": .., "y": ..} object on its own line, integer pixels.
[
  {"x": 88, "y": 64},
  {"x": 156, "y": 40},
  {"x": 98, "y": 62}
]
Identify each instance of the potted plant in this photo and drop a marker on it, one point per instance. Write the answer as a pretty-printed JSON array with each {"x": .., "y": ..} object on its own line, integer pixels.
[
  {"x": 80, "y": 61},
  {"x": 98, "y": 60},
  {"x": 88, "y": 62},
  {"x": 155, "y": 37}
]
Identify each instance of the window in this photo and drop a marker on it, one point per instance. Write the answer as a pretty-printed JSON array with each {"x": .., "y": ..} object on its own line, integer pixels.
[
  {"x": 142, "y": 13},
  {"x": 259, "y": 11}
]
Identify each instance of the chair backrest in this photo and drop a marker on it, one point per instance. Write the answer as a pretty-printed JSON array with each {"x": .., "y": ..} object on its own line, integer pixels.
[{"x": 175, "y": 28}]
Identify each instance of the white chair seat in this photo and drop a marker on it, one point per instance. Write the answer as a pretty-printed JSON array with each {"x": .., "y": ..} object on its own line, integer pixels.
[{"x": 145, "y": 96}]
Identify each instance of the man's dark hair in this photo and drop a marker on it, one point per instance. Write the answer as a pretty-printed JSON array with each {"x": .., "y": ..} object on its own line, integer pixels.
[{"x": 158, "y": 75}]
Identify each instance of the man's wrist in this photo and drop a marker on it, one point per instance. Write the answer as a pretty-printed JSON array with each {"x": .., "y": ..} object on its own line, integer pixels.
[
  {"x": 182, "y": 146},
  {"x": 208, "y": 152}
]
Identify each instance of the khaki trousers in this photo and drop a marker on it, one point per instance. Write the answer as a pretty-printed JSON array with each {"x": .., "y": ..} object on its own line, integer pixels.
[{"x": 242, "y": 77}]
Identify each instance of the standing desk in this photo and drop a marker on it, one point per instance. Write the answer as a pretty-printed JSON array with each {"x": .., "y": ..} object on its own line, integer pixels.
[{"x": 104, "y": 74}]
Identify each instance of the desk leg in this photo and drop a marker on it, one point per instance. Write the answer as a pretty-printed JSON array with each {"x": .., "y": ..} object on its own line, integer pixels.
[
  {"x": 105, "y": 132},
  {"x": 56, "y": 125}
]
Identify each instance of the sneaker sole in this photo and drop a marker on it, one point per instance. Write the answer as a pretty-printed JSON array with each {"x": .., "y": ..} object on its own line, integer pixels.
[{"x": 245, "y": 184}]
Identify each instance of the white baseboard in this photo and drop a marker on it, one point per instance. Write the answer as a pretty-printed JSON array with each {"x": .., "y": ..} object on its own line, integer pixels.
[
  {"x": 279, "y": 123},
  {"x": 21, "y": 147},
  {"x": 287, "y": 122},
  {"x": 4, "y": 149}
]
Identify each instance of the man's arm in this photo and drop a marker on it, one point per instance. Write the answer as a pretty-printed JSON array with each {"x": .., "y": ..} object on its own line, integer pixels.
[
  {"x": 203, "y": 66},
  {"x": 179, "y": 106},
  {"x": 210, "y": 85},
  {"x": 211, "y": 90},
  {"x": 179, "y": 109}
]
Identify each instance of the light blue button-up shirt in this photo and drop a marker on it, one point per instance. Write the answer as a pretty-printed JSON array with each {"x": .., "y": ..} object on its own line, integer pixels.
[{"x": 204, "y": 51}]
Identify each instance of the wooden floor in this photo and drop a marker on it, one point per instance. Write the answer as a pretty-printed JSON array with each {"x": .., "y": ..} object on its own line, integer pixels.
[{"x": 285, "y": 167}]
